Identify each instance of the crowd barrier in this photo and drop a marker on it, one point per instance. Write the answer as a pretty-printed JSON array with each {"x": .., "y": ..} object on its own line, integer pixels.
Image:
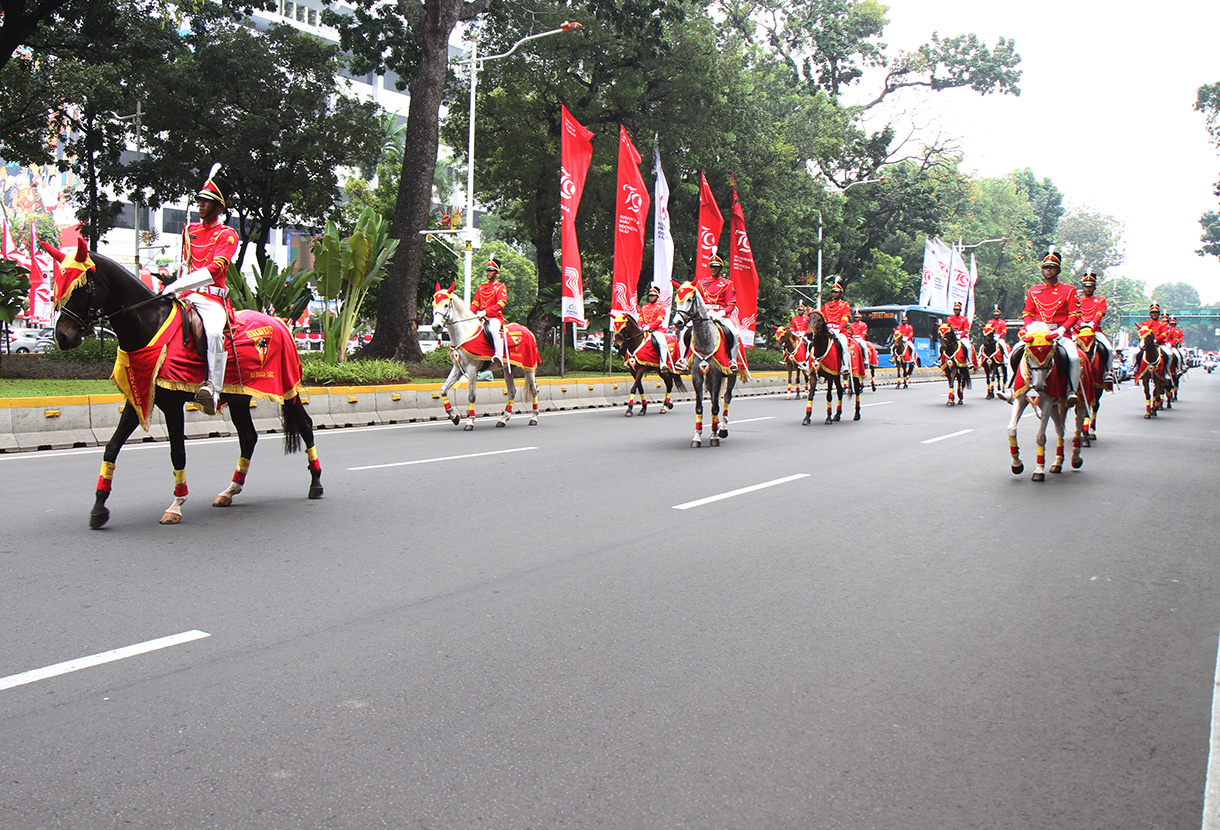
[{"x": 89, "y": 420}]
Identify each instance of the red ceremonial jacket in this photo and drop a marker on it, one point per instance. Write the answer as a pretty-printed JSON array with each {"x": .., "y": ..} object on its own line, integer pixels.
[
  {"x": 799, "y": 324},
  {"x": 490, "y": 299},
  {"x": 858, "y": 329},
  {"x": 906, "y": 330},
  {"x": 1159, "y": 328},
  {"x": 996, "y": 326},
  {"x": 1092, "y": 309},
  {"x": 1175, "y": 335},
  {"x": 837, "y": 313},
  {"x": 652, "y": 317},
  {"x": 961, "y": 325},
  {"x": 1055, "y": 305},
  {"x": 719, "y": 294},
  {"x": 212, "y": 247}
]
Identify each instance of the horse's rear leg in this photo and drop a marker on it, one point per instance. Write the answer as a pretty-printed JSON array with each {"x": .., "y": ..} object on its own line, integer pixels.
[
  {"x": 531, "y": 386},
  {"x": 859, "y": 391},
  {"x": 839, "y": 405},
  {"x": 631, "y": 396},
  {"x": 511, "y": 393},
  {"x": 128, "y": 421},
  {"x": 697, "y": 380},
  {"x": 247, "y": 437}
]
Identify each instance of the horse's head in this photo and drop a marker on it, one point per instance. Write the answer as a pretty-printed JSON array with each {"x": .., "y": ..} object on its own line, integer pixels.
[
  {"x": 1040, "y": 344},
  {"x": 948, "y": 339},
  {"x": 687, "y": 305},
  {"x": 1085, "y": 339},
  {"x": 78, "y": 309},
  {"x": 442, "y": 307}
]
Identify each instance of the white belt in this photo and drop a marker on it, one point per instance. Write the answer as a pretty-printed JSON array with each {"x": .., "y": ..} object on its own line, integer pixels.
[{"x": 214, "y": 290}]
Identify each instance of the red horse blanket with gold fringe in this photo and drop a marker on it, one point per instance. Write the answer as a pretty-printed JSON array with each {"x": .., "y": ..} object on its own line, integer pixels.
[
  {"x": 266, "y": 364},
  {"x": 522, "y": 347},
  {"x": 647, "y": 355}
]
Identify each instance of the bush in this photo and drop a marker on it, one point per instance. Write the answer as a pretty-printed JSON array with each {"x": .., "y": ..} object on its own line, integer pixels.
[{"x": 317, "y": 372}]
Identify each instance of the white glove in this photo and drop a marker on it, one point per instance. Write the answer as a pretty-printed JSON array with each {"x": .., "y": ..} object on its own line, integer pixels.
[
  {"x": 1059, "y": 332},
  {"x": 480, "y": 314},
  {"x": 715, "y": 315},
  {"x": 201, "y": 276}
]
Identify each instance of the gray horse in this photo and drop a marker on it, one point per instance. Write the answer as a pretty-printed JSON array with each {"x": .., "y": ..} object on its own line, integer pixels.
[{"x": 709, "y": 362}]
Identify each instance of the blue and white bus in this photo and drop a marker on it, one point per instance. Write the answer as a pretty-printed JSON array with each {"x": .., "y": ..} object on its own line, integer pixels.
[{"x": 883, "y": 319}]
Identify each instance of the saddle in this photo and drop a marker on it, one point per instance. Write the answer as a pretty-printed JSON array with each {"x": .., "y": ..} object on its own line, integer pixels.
[{"x": 192, "y": 328}]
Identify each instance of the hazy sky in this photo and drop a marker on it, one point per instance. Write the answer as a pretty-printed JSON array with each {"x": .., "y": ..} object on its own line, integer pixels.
[{"x": 1106, "y": 112}]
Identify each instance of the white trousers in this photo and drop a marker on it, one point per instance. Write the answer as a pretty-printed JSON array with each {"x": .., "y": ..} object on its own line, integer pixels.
[{"x": 214, "y": 318}]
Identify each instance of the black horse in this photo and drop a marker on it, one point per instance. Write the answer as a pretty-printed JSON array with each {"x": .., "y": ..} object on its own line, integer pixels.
[
  {"x": 902, "y": 352},
  {"x": 827, "y": 358},
  {"x": 954, "y": 363},
  {"x": 995, "y": 363},
  {"x": 105, "y": 290},
  {"x": 629, "y": 337}
]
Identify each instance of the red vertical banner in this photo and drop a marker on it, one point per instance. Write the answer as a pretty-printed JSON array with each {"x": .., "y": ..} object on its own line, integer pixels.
[
  {"x": 743, "y": 273},
  {"x": 36, "y": 277},
  {"x": 630, "y": 213},
  {"x": 710, "y": 225},
  {"x": 575, "y": 153}
]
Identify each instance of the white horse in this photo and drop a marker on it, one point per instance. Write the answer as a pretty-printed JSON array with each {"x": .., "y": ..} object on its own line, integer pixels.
[
  {"x": 1042, "y": 379},
  {"x": 709, "y": 364},
  {"x": 471, "y": 353}
]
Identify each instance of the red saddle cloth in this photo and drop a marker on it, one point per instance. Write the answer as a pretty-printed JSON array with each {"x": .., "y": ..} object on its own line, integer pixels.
[
  {"x": 266, "y": 364},
  {"x": 522, "y": 347},
  {"x": 647, "y": 354},
  {"x": 1057, "y": 382}
]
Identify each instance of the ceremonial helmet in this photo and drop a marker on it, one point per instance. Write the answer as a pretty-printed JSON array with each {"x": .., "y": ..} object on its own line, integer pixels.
[
  {"x": 210, "y": 190},
  {"x": 1173, "y": 320},
  {"x": 1052, "y": 258},
  {"x": 957, "y": 307},
  {"x": 492, "y": 265},
  {"x": 714, "y": 261},
  {"x": 995, "y": 312},
  {"x": 1089, "y": 279},
  {"x": 838, "y": 286},
  {"x": 653, "y": 291},
  {"x": 1155, "y": 308}
]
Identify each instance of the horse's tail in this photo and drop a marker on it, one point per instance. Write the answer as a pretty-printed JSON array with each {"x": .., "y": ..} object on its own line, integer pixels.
[
  {"x": 297, "y": 424},
  {"x": 681, "y": 387}
]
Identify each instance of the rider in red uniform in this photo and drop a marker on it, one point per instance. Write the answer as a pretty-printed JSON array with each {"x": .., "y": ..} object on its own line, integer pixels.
[
  {"x": 721, "y": 299},
  {"x": 652, "y": 320},
  {"x": 488, "y": 305},
  {"x": 961, "y": 327},
  {"x": 837, "y": 314},
  {"x": 1156, "y": 325},
  {"x": 996, "y": 325},
  {"x": 1092, "y": 309},
  {"x": 906, "y": 329},
  {"x": 800, "y": 321},
  {"x": 1055, "y": 304},
  {"x": 208, "y": 246}
]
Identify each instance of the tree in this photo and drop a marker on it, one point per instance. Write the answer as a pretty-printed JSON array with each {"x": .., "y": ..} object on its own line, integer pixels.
[
  {"x": 273, "y": 119},
  {"x": 1210, "y": 221},
  {"x": 411, "y": 39},
  {"x": 1175, "y": 296},
  {"x": 1208, "y": 103}
]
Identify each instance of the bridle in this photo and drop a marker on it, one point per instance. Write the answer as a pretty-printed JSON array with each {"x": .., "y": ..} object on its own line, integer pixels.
[{"x": 94, "y": 314}]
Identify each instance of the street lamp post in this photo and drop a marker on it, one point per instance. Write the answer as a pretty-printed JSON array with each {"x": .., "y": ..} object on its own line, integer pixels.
[
  {"x": 844, "y": 190},
  {"x": 137, "y": 202},
  {"x": 468, "y": 232},
  {"x": 961, "y": 248}
]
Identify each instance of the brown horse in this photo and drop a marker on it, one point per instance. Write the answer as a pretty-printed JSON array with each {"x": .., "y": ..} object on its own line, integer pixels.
[
  {"x": 149, "y": 333},
  {"x": 796, "y": 357},
  {"x": 1154, "y": 368},
  {"x": 995, "y": 362},
  {"x": 902, "y": 352},
  {"x": 954, "y": 363},
  {"x": 1093, "y": 355},
  {"x": 826, "y": 360},
  {"x": 639, "y": 351}
]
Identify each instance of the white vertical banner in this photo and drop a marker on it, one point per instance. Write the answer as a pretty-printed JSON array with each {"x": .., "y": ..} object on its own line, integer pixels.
[
  {"x": 929, "y": 273},
  {"x": 959, "y": 280},
  {"x": 662, "y": 238},
  {"x": 974, "y": 280},
  {"x": 934, "y": 290}
]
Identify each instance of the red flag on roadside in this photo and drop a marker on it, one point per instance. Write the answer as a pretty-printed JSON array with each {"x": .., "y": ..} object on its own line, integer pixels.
[
  {"x": 36, "y": 277},
  {"x": 575, "y": 153},
  {"x": 743, "y": 272},
  {"x": 710, "y": 225},
  {"x": 630, "y": 213}
]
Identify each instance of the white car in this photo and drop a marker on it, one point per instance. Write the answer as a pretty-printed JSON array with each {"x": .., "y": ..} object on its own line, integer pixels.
[
  {"x": 25, "y": 341},
  {"x": 430, "y": 341}
]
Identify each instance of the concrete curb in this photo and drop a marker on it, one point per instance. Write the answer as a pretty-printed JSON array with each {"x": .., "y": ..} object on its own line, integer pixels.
[{"x": 89, "y": 420}]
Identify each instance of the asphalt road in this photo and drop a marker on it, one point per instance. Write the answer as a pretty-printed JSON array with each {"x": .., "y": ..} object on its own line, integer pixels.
[{"x": 518, "y": 628}]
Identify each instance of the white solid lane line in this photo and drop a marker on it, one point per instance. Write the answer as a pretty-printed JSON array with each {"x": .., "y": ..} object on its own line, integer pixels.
[
  {"x": 700, "y": 502},
  {"x": 1211, "y": 790},
  {"x": 945, "y": 437},
  {"x": 79, "y": 663},
  {"x": 442, "y": 458}
]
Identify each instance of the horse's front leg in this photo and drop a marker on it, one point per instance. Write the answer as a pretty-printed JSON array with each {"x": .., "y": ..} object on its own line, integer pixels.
[
  {"x": 247, "y": 437},
  {"x": 1059, "y": 416},
  {"x": 697, "y": 376},
  {"x": 472, "y": 375},
  {"x": 714, "y": 383},
  {"x": 1080, "y": 435},
  {"x": 637, "y": 384},
  {"x": 830, "y": 390},
  {"x": 128, "y": 421},
  {"x": 1040, "y": 440},
  {"x": 175, "y": 426},
  {"x": 729, "y": 382},
  {"x": 511, "y": 389},
  {"x": 1018, "y": 407},
  {"x": 859, "y": 392},
  {"x": 454, "y": 374},
  {"x": 839, "y": 395}
]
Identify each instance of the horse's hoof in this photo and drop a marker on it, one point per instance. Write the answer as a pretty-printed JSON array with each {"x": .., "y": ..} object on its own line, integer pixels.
[
  {"x": 98, "y": 518},
  {"x": 857, "y": 417},
  {"x": 315, "y": 491},
  {"x": 724, "y": 433},
  {"x": 643, "y": 411},
  {"x": 1038, "y": 477},
  {"x": 695, "y": 444},
  {"x": 1018, "y": 469},
  {"x": 1147, "y": 416},
  {"x": 468, "y": 427},
  {"x": 628, "y": 414},
  {"x": 829, "y": 420},
  {"x": 499, "y": 424},
  {"x": 714, "y": 442},
  {"x": 838, "y": 416},
  {"x": 948, "y": 403},
  {"x": 171, "y": 518},
  {"x": 1077, "y": 462},
  {"x": 1056, "y": 469},
  {"x": 222, "y": 501},
  {"x": 533, "y": 422},
  {"x": 807, "y": 421},
  {"x": 455, "y": 420},
  {"x": 1092, "y": 436}
]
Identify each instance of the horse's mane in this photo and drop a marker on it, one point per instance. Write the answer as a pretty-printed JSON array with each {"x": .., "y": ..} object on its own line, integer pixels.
[{"x": 115, "y": 269}]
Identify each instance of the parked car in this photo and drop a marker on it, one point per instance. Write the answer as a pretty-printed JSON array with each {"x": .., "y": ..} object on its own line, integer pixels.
[
  {"x": 430, "y": 340},
  {"x": 25, "y": 341},
  {"x": 589, "y": 344}
]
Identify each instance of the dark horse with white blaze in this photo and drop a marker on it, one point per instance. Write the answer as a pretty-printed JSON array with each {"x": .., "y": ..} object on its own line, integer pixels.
[
  {"x": 902, "y": 352},
  {"x": 995, "y": 362},
  {"x": 709, "y": 362},
  {"x": 148, "y": 327},
  {"x": 796, "y": 356},
  {"x": 954, "y": 363},
  {"x": 827, "y": 359},
  {"x": 639, "y": 350}
]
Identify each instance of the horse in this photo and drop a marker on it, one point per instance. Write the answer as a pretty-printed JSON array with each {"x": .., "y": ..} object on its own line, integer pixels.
[
  {"x": 639, "y": 351},
  {"x": 826, "y": 360},
  {"x": 709, "y": 363},
  {"x": 995, "y": 362},
  {"x": 471, "y": 352},
  {"x": 1041, "y": 378},
  {"x": 796, "y": 357},
  {"x": 1096, "y": 355},
  {"x": 954, "y": 363},
  {"x": 158, "y": 366},
  {"x": 1154, "y": 368},
  {"x": 902, "y": 352}
]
